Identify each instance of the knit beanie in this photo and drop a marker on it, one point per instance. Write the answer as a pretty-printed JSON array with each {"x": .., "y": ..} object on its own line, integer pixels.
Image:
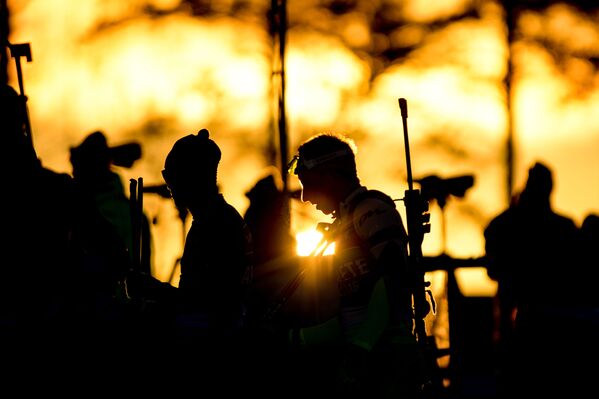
[{"x": 193, "y": 156}]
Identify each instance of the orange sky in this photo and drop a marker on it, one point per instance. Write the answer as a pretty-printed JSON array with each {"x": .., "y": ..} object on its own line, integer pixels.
[{"x": 109, "y": 65}]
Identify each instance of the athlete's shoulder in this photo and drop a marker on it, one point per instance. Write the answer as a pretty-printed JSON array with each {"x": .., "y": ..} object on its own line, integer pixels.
[
  {"x": 359, "y": 197},
  {"x": 374, "y": 212},
  {"x": 371, "y": 198}
]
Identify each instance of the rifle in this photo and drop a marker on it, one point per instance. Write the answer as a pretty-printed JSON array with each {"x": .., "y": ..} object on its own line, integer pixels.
[
  {"x": 423, "y": 302},
  {"x": 136, "y": 190},
  {"x": 152, "y": 299}
]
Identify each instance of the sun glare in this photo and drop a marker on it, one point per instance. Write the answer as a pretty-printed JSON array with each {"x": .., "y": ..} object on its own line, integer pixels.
[{"x": 308, "y": 241}]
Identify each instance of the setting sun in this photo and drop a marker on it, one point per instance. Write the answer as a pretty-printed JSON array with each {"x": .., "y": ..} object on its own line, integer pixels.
[{"x": 308, "y": 242}]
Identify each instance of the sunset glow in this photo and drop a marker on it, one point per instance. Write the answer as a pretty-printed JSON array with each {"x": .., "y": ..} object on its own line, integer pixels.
[
  {"x": 153, "y": 71},
  {"x": 308, "y": 244}
]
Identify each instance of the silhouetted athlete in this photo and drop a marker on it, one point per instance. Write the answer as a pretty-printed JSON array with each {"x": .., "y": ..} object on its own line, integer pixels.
[
  {"x": 59, "y": 291},
  {"x": 377, "y": 353},
  {"x": 92, "y": 163},
  {"x": 216, "y": 264},
  {"x": 38, "y": 221},
  {"x": 589, "y": 236},
  {"x": 533, "y": 253},
  {"x": 267, "y": 220}
]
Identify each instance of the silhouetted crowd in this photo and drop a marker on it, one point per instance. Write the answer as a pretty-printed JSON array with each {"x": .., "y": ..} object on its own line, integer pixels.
[{"x": 78, "y": 283}]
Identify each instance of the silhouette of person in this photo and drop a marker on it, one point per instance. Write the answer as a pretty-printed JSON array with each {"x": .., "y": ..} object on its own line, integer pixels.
[
  {"x": 532, "y": 252},
  {"x": 583, "y": 327},
  {"x": 374, "y": 351},
  {"x": 589, "y": 235},
  {"x": 50, "y": 292},
  {"x": 38, "y": 223},
  {"x": 92, "y": 162},
  {"x": 216, "y": 264},
  {"x": 267, "y": 221}
]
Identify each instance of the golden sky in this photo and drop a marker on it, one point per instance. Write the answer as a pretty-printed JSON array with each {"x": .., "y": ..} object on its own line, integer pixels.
[{"x": 153, "y": 71}]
